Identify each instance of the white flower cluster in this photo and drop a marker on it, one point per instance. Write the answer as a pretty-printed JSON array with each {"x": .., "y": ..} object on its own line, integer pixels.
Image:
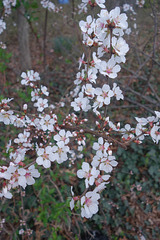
[
  {"x": 38, "y": 126},
  {"x": 106, "y": 34},
  {"x": 57, "y": 152},
  {"x": 83, "y": 6},
  {"x": 101, "y": 97},
  {"x": 2, "y": 26},
  {"x": 140, "y": 3},
  {"x": 131, "y": 13},
  {"x": 103, "y": 161},
  {"x": 3, "y": 45},
  {"x": 28, "y": 77},
  {"x": 7, "y": 10},
  {"x": 8, "y": 4},
  {"x": 49, "y": 5},
  {"x": 105, "y": 29},
  {"x": 149, "y": 126},
  {"x": 17, "y": 176}
]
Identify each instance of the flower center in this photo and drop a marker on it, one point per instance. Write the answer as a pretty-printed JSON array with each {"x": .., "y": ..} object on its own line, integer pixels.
[{"x": 88, "y": 202}]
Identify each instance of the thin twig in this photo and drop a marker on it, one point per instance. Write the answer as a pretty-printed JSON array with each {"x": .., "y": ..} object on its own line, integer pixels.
[
  {"x": 94, "y": 133},
  {"x": 140, "y": 105},
  {"x": 58, "y": 191}
]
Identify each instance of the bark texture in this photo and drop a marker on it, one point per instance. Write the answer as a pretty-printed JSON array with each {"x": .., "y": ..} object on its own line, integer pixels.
[{"x": 23, "y": 40}]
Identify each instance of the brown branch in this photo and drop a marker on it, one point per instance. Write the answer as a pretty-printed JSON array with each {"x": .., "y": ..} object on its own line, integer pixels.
[
  {"x": 140, "y": 105},
  {"x": 144, "y": 97},
  {"x": 58, "y": 191},
  {"x": 94, "y": 133}
]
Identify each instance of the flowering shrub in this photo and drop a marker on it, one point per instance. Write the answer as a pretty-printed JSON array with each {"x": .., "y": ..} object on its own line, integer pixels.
[{"x": 48, "y": 140}]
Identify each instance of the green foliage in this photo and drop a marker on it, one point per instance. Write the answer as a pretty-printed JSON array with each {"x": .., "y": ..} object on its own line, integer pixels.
[
  {"x": 25, "y": 95},
  {"x": 4, "y": 59},
  {"x": 52, "y": 211},
  {"x": 1, "y": 7},
  {"x": 68, "y": 61},
  {"x": 31, "y": 7},
  {"x": 139, "y": 166},
  {"x": 28, "y": 4}
]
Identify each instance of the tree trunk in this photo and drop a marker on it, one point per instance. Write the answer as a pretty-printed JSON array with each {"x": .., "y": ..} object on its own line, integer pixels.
[{"x": 23, "y": 40}]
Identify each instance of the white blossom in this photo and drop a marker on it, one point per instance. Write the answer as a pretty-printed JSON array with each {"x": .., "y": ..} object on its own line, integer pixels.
[
  {"x": 107, "y": 163},
  {"x": 2, "y": 26},
  {"x": 89, "y": 204},
  {"x": 110, "y": 68},
  {"x": 45, "y": 156},
  {"x": 155, "y": 133},
  {"x": 41, "y": 104},
  {"x": 90, "y": 174}
]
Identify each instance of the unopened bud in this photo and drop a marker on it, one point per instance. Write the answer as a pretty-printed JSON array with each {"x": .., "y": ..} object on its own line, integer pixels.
[
  {"x": 110, "y": 152},
  {"x": 25, "y": 107},
  {"x": 118, "y": 125},
  {"x": 98, "y": 124}
]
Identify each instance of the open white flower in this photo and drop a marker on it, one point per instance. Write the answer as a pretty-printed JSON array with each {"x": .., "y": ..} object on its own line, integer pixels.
[
  {"x": 88, "y": 90},
  {"x": 22, "y": 137},
  {"x": 101, "y": 146},
  {"x": 2, "y": 26},
  {"x": 63, "y": 136},
  {"x": 81, "y": 103},
  {"x": 117, "y": 92},
  {"x": 45, "y": 156},
  {"x": 107, "y": 163},
  {"x": 89, "y": 204},
  {"x": 100, "y": 3},
  {"x": 47, "y": 123},
  {"x": 41, "y": 104},
  {"x": 104, "y": 94},
  {"x": 60, "y": 152},
  {"x": 120, "y": 46},
  {"x": 110, "y": 68},
  {"x": 119, "y": 19},
  {"x": 44, "y": 90},
  {"x": 155, "y": 133},
  {"x": 86, "y": 26},
  {"x": 28, "y": 77},
  {"x": 7, "y": 117},
  {"x": 90, "y": 174}
]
